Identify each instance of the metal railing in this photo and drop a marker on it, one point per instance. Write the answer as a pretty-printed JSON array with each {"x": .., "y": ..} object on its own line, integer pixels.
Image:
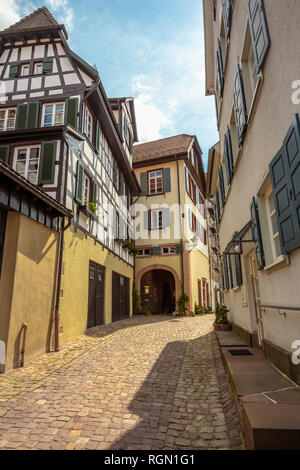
[{"x": 280, "y": 307}]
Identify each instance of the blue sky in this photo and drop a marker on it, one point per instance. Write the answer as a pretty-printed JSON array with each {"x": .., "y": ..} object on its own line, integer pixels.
[{"x": 152, "y": 50}]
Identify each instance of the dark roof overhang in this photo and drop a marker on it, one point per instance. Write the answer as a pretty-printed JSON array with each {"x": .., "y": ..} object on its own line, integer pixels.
[{"x": 53, "y": 31}]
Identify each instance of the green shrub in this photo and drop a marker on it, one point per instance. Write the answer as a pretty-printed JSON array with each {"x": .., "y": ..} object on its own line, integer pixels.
[
  {"x": 136, "y": 300},
  {"x": 147, "y": 310},
  {"x": 221, "y": 315},
  {"x": 184, "y": 298}
]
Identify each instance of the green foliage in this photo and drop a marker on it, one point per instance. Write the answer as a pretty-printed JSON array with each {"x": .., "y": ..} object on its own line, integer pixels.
[
  {"x": 91, "y": 206},
  {"x": 130, "y": 246},
  {"x": 184, "y": 298},
  {"x": 136, "y": 299},
  {"x": 198, "y": 309},
  {"x": 147, "y": 310},
  {"x": 221, "y": 315}
]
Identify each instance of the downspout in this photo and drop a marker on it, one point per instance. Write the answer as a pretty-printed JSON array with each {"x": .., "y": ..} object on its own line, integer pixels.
[
  {"x": 58, "y": 282},
  {"x": 181, "y": 239}
]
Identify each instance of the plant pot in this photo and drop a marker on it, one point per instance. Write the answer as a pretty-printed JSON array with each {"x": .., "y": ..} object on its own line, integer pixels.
[{"x": 222, "y": 326}]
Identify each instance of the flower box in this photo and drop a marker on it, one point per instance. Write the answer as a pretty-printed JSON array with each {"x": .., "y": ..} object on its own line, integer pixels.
[{"x": 222, "y": 326}]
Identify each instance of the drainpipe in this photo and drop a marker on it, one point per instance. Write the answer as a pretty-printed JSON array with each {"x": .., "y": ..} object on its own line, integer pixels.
[
  {"x": 181, "y": 239},
  {"x": 58, "y": 281}
]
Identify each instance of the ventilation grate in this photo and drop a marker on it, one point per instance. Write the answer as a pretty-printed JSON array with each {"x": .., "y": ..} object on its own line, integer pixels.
[{"x": 240, "y": 352}]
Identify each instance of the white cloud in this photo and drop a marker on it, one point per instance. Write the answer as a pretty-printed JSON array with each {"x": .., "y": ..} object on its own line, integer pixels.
[
  {"x": 66, "y": 15},
  {"x": 10, "y": 13}
]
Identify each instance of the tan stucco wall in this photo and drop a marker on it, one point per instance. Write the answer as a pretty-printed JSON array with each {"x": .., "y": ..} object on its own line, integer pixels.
[
  {"x": 268, "y": 126},
  {"x": 78, "y": 252},
  {"x": 199, "y": 268},
  {"x": 29, "y": 280}
]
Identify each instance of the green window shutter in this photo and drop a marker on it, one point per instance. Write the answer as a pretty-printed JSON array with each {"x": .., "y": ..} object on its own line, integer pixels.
[
  {"x": 122, "y": 192},
  {"x": 95, "y": 193},
  {"x": 285, "y": 176},
  {"x": 144, "y": 184},
  {"x": 47, "y": 163},
  {"x": 4, "y": 153},
  {"x": 214, "y": 10},
  {"x": 227, "y": 16},
  {"x": 79, "y": 183},
  {"x": 47, "y": 65},
  {"x": 13, "y": 70},
  {"x": 71, "y": 115},
  {"x": 240, "y": 108},
  {"x": 222, "y": 187},
  {"x": 218, "y": 214},
  {"x": 227, "y": 160},
  {"x": 179, "y": 248},
  {"x": 147, "y": 224},
  {"x": 97, "y": 136},
  {"x": 238, "y": 269},
  {"x": 155, "y": 251},
  {"x": 167, "y": 180},
  {"x": 115, "y": 174},
  {"x": 220, "y": 69},
  {"x": 259, "y": 31},
  {"x": 228, "y": 156},
  {"x": 231, "y": 284},
  {"x": 32, "y": 115},
  {"x": 21, "y": 120},
  {"x": 256, "y": 234},
  {"x": 226, "y": 277},
  {"x": 187, "y": 181}
]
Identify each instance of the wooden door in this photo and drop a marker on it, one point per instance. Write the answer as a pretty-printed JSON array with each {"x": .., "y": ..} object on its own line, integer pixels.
[
  {"x": 96, "y": 295},
  {"x": 120, "y": 297}
]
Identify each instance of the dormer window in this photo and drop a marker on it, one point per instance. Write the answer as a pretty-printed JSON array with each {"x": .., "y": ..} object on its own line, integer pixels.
[
  {"x": 25, "y": 68},
  {"x": 88, "y": 124},
  {"x": 53, "y": 114},
  {"x": 38, "y": 68},
  {"x": 7, "y": 119}
]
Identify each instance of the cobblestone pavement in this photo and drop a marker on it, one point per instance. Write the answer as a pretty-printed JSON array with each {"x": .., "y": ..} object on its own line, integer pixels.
[{"x": 145, "y": 383}]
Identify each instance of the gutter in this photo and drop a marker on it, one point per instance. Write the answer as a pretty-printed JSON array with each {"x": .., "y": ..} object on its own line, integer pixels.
[{"x": 181, "y": 239}]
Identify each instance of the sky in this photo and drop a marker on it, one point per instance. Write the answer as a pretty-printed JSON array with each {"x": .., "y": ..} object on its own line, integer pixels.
[{"x": 152, "y": 50}]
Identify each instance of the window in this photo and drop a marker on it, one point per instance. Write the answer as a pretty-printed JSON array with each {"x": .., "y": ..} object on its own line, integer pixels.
[
  {"x": 88, "y": 124},
  {"x": 273, "y": 226},
  {"x": 7, "y": 119},
  {"x": 53, "y": 114},
  {"x": 156, "y": 219},
  {"x": 249, "y": 69},
  {"x": 169, "y": 250},
  {"x": 155, "y": 182},
  {"x": 87, "y": 186},
  {"x": 193, "y": 157},
  {"x": 145, "y": 252},
  {"x": 25, "y": 70},
  {"x": 38, "y": 68},
  {"x": 26, "y": 162}
]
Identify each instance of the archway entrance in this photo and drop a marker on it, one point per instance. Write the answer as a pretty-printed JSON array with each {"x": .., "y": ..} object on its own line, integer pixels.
[{"x": 158, "y": 290}]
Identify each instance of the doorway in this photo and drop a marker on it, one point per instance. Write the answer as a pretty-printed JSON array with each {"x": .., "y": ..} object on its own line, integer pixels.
[
  {"x": 96, "y": 295},
  {"x": 256, "y": 296},
  {"x": 158, "y": 290}
]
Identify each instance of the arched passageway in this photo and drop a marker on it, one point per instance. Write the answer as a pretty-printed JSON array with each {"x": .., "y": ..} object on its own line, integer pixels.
[{"x": 157, "y": 288}]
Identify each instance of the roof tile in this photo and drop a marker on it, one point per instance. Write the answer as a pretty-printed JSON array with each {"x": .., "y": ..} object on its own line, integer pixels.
[
  {"x": 38, "y": 19},
  {"x": 163, "y": 147}
]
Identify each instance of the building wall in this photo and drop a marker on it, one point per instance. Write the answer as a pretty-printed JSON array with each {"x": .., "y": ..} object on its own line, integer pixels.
[
  {"x": 79, "y": 250},
  {"x": 269, "y": 120},
  {"x": 27, "y": 286},
  {"x": 199, "y": 269}
]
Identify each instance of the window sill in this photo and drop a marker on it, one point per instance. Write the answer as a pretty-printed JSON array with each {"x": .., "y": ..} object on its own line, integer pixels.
[
  {"x": 237, "y": 289},
  {"x": 282, "y": 261},
  {"x": 87, "y": 211}
]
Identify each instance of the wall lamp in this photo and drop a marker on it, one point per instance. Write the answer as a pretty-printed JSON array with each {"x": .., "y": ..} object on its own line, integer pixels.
[{"x": 238, "y": 244}]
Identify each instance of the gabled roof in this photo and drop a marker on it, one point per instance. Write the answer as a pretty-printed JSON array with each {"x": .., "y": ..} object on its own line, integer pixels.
[
  {"x": 163, "y": 147},
  {"x": 115, "y": 102},
  {"x": 37, "y": 20}
]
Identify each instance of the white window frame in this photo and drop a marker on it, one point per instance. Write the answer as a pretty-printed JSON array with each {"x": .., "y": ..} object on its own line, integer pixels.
[
  {"x": 88, "y": 124},
  {"x": 27, "y": 148},
  {"x": 22, "y": 70},
  {"x": 6, "y": 118},
  {"x": 35, "y": 65},
  {"x": 168, "y": 250},
  {"x": 155, "y": 178},
  {"x": 87, "y": 185},
  {"x": 270, "y": 214},
  {"x": 157, "y": 216},
  {"x": 143, "y": 252},
  {"x": 58, "y": 103}
]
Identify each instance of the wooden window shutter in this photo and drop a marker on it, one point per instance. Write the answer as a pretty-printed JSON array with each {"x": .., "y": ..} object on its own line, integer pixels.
[
  {"x": 228, "y": 173},
  {"x": 231, "y": 285},
  {"x": 47, "y": 65},
  {"x": 187, "y": 181},
  {"x": 256, "y": 235},
  {"x": 21, "y": 119},
  {"x": 144, "y": 184},
  {"x": 4, "y": 153},
  {"x": 217, "y": 112},
  {"x": 79, "y": 183},
  {"x": 222, "y": 187},
  {"x": 220, "y": 69},
  {"x": 227, "y": 16},
  {"x": 71, "y": 115},
  {"x": 179, "y": 248},
  {"x": 155, "y": 251},
  {"x": 167, "y": 180},
  {"x": 259, "y": 31},
  {"x": 115, "y": 173},
  {"x": 199, "y": 292},
  {"x": 285, "y": 176},
  {"x": 97, "y": 136},
  {"x": 13, "y": 70},
  {"x": 47, "y": 163},
  {"x": 214, "y": 11},
  {"x": 166, "y": 218},
  {"x": 238, "y": 269},
  {"x": 32, "y": 115},
  {"x": 147, "y": 220},
  {"x": 228, "y": 156},
  {"x": 226, "y": 277},
  {"x": 240, "y": 108}
]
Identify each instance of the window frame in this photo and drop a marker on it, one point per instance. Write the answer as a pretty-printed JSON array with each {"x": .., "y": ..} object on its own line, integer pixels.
[
  {"x": 88, "y": 132},
  {"x": 168, "y": 247},
  {"x": 89, "y": 186},
  {"x": 27, "y": 64},
  {"x": 53, "y": 104},
  {"x": 158, "y": 227},
  {"x": 6, "y": 118},
  {"x": 27, "y": 148},
  {"x": 271, "y": 214},
  {"x": 156, "y": 177},
  {"x": 34, "y": 68}
]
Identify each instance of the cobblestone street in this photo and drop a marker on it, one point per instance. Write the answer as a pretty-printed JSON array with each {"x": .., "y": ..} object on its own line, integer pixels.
[{"x": 146, "y": 383}]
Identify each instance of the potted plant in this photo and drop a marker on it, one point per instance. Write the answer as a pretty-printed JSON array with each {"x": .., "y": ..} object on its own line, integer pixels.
[
  {"x": 184, "y": 298},
  {"x": 222, "y": 322},
  {"x": 147, "y": 310},
  {"x": 130, "y": 247},
  {"x": 89, "y": 208}
]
